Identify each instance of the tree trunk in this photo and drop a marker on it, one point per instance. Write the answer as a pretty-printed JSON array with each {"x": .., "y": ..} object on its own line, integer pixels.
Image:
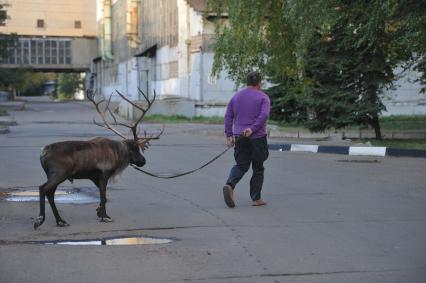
[
  {"x": 13, "y": 94},
  {"x": 374, "y": 122}
]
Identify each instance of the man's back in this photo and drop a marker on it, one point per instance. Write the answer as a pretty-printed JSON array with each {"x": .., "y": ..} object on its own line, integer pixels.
[{"x": 248, "y": 108}]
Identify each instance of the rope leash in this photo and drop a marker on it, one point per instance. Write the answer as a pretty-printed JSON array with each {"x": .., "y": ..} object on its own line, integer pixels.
[{"x": 163, "y": 176}]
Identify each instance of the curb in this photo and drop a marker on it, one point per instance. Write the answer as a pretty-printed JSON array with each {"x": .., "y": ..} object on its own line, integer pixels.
[
  {"x": 4, "y": 130},
  {"x": 7, "y": 121},
  {"x": 350, "y": 150},
  {"x": 13, "y": 105}
]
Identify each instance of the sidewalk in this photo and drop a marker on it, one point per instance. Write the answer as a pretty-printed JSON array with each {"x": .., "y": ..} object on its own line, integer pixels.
[
  {"x": 358, "y": 150},
  {"x": 333, "y": 143},
  {"x": 12, "y": 105},
  {"x": 344, "y": 134},
  {"x": 34, "y": 99}
]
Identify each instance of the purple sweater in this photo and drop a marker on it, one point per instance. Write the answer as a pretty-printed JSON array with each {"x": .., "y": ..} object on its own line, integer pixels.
[{"x": 248, "y": 108}]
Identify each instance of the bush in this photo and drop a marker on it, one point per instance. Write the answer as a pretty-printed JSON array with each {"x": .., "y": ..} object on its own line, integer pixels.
[{"x": 68, "y": 85}]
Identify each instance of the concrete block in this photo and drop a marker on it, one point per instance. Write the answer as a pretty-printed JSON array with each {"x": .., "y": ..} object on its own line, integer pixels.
[
  {"x": 367, "y": 151},
  {"x": 4, "y": 130},
  {"x": 7, "y": 121},
  {"x": 13, "y": 105},
  {"x": 304, "y": 147}
]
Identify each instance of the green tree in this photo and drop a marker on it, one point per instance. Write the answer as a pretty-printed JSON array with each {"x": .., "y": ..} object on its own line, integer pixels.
[
  {"x": 330, "y": 60},
  {"x": 271, "y": 35},
  {"x": 8, "y": 78},
  {"x": 68, "y": 84},
  {"x": 33, "y": 82},
  {"x": 411, "y": 15},
  {"x": 3, "y": 13},
  {"x": 364, "y": 47},
  {"x": 5, "y": 40}
]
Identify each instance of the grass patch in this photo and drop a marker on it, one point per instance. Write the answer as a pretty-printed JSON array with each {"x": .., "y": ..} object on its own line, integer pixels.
[
  {"x": 406, "y": 144},
  {"x": 404, "y": 122},
  {"x": 157, "y": 118},
  {"x": 389, "y": 123},
  {"x": 3, "y": 112},
  {"x": 286, "y": 126}
]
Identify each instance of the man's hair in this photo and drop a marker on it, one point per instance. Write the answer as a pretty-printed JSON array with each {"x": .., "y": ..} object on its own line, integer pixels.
[{"x": 253, "y": 78}]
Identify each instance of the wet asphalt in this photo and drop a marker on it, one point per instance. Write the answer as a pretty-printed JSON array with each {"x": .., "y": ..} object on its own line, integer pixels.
[{"x": 329, "y": 218}]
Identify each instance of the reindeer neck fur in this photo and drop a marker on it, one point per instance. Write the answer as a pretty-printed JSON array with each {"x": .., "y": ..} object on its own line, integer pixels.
[{"x": 121, "y": 158}]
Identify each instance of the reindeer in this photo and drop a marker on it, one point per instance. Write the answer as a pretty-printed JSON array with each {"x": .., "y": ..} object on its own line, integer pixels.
[{"x": 98, "y": 159}]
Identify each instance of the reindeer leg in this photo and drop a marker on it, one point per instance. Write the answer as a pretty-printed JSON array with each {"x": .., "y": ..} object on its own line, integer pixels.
[
  {"x": 101, "y": 183},
  {"x": 51, "y": 197},
  {"x": 42, "y": 215},
  {"x": 51, "y": 184}
]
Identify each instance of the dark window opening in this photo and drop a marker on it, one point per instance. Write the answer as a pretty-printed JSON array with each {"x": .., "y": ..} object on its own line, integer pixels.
[
  {"x": 40, "y": 23},
  {"x": 77, "y": 24}
]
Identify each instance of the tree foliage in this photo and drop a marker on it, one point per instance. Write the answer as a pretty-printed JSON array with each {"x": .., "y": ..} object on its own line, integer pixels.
[
  {"x": 329, "y": 60},
  {"x": 68, "y": 84},
  {"x": 5, "y": 40},
  {"x": 8, "y": 77}
]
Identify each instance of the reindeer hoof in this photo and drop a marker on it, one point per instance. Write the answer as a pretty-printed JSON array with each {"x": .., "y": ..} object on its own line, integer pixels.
[
  {"x": 38, "y": 222},
  {"x": 100, "y": 212},
  {"x": 106, "y": 219},
  {"x": 62, "y": 223}
]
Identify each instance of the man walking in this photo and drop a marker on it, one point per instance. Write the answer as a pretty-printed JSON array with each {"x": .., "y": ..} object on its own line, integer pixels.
[{"x": 245, "y": 129}]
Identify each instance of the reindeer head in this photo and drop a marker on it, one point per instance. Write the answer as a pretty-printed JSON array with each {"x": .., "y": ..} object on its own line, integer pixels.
[{"x": 136, "y": 143}]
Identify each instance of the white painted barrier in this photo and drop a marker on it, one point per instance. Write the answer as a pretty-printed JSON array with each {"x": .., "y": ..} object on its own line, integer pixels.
[
  {"x": 304, "y": 148},
  {"x": 368, "y": 151}
]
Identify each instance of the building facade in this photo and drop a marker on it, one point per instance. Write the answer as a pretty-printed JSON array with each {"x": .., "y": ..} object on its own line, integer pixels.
[
  {"x": 56, "y": 35},
  {"x": 405, "y": 98},
  {"x": 162, "y": 46}
]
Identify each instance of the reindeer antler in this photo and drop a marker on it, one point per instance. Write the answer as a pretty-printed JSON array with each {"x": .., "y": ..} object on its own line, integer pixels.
[
  {"x": 144, "y": 141},
  {"x": 134, "y": 127},
  {"x": 91, "y": 96}
]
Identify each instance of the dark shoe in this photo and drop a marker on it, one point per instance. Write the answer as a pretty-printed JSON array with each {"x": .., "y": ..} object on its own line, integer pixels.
[
  {"x": 259, "y": 202},
  {"x": 228, "y": 196}
]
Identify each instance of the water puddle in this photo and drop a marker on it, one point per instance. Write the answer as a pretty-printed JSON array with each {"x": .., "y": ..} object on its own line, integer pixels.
[
  {"x": 120, "y": 241},
  {"x": 69, "y": 196}
]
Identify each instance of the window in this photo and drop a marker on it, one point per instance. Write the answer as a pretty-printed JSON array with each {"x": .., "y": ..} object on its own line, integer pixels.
[
  {"x": 38, "y": 51},
  {"x": 47, "y": 50},
  {"x": 77, "y": 24},
  {"x": 54, "y": 58},
  {"x": 33, "y": 51},
  {"x": 61, "y": 50},
  {"x": 25, "y": 51},
  {"x": 67, "y": 52},
  {"x": 40, "y": 23}
]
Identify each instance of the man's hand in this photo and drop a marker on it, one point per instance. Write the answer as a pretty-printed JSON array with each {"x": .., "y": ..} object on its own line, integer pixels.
[
  {"x": 230, "y": 141},
  {"x": 247, "y": 132}
]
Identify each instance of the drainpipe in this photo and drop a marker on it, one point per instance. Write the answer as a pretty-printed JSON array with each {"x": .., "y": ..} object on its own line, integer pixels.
[
  {"x": 188, "y": 50},
  {"x": 107, "y": 38},
  {"x": 101, "y": 40},
  {"x": 137, "y": 76},
  {"x": 201, "y": 75},
  {"x": 132, "y": 23}
]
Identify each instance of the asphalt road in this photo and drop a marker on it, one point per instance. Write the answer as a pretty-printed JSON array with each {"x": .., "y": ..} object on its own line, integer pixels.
[{"x": 328, "y": 219}]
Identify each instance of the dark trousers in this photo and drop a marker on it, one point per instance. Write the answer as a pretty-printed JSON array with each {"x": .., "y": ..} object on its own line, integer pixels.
[{"x": 254, "y": 152}]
